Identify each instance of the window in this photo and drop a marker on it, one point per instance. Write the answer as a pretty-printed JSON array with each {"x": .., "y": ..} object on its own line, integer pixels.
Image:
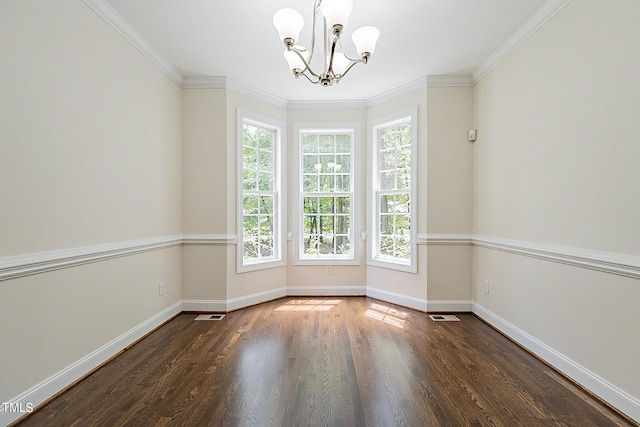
[
  {"x": 392, "y": 208},
  {"x": 326, "y": 202},
  {"x": 259, "y": 196}
]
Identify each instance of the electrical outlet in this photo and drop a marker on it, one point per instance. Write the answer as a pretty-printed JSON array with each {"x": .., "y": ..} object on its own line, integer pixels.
[
  {"x": 161, "y": 288},
  {"x": 329, "y": 269},
  {"x": 486, "y": 286}
]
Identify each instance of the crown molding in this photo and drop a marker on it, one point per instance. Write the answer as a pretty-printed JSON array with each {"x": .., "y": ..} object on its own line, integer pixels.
[
  {"x": 541, "y": 17},
  {"x": 204, "y": 82},
  {"x": 328, "y": 105},
  {"x": 255, "y": 93},
  {"x": 115, "y": 20},
  {"x": 458, "y": 80},
  {"x": 406, "y": 89}
]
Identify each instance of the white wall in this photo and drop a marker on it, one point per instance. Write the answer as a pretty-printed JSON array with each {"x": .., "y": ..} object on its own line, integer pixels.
[
  {"x": 204, "y": 174},
  {"x": 449, "y": 195},
  {"x": 556, "y": 164},
  {"x": 90, "y": 154}
]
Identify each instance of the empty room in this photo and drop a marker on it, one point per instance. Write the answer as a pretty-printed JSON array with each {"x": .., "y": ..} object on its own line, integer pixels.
[{"x": 319, "y": 212}]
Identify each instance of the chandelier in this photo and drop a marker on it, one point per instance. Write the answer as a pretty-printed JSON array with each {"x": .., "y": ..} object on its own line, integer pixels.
[{"x": 336, "y": 64}]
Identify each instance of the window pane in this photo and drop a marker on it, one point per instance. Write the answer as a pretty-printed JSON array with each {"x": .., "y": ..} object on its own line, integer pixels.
[
  {"x": 309, "y": 183},
  {"x": 387, "y": 160},
  {"x": 265, "y": 181},
  {"x": 403, "y": 248},
  {"x": 310, "y": 225},
  {"x": 326, "y": 245},
  {"x": 343, "y": 163},
  {"x": 265, "y": 162},
  {"x": 310, "y": 204},
  {"x": 266, "y": 247},
  {"x": 266, "y": 204},
  {"x": 342, "y": 245},
  {"x": 342, "y": 224},
  {"x": 326, "y": 144},
  {"x": 343, "y": 143},
  {"x": 386, "y": 246},
  {"x": 250, "y": 226},
  {"x": 326, "y": 204},
  {"x": 310, "y": 163},
  {"x": 326, "y": 183},
  {"x": 309, "y": 143},
  {"x": 326, "y": 224},
  {"x": 266, "y": 225},
  {"x": 327, "y": 162},
  {"x": 310, "y": 246},
  {"x": 265, "y": 139},
  {"x": 250, "y": 204},
  {"x": 250, "y": 248},
  {"x": 343, "y": 204},
  {"x": 249, "y": 135}
]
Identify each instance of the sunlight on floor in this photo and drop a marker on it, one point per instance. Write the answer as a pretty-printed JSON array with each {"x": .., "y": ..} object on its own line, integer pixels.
[
  {"x": 309, "y": 305},
  {"x": 387, "y": 315}
]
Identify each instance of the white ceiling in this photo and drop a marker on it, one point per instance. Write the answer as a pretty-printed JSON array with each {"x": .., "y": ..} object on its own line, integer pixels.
[{"x": 236, "y": 39}]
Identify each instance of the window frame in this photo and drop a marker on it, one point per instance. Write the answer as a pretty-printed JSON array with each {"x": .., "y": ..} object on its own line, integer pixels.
[
  {"x": 373, "y": 191},
  {"x": 298, "y": 210},
  {"x": 279, "y": 202}
]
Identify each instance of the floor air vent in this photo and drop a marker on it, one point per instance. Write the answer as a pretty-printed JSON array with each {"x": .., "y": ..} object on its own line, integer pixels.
[
  {"x": 210, "y": 317},
  {"x": 444, "y": 318}
]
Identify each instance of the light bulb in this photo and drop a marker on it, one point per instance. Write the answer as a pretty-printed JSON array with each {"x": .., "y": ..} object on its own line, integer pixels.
[
  {"x": 336, "y": 12},
  {"x": 289, "y": 23},
  {"x": 365, "y": 39}
]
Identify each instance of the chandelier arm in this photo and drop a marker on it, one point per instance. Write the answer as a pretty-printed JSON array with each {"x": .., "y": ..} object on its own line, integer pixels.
[
  {"x": 307, "y": 66},
  {"x": 309, "y": 78},
  {"x": 353, "y": 62},
  {"x": 347, "y": 56}
]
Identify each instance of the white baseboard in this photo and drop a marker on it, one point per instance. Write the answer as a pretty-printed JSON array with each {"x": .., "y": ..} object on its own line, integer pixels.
[
  {"x": 257, "y": 298},
  {"x": 399, "y": 299},
  {"x": 592, "y": 382},
  {"x": 326, "y": 290},
  {"x": 51, "y": 386},
  {"x": 449, "y": 305},
  {"x": 204, "y": 305}
]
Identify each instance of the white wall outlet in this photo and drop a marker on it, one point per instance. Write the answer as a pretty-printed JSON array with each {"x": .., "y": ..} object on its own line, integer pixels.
[
  {"x": 486, "y": 286},
  {"x": 161, "y": 288},
  {"x": 329, "y": 269}
]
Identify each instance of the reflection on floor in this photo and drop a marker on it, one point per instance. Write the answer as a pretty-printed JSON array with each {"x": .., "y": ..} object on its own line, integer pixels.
[
  {"x": 387, "y": 315},
  {"x": 309, "y": 305}
]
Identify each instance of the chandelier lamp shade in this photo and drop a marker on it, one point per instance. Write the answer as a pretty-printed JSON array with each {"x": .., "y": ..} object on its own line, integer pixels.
[{"x": 336, "y": 64}]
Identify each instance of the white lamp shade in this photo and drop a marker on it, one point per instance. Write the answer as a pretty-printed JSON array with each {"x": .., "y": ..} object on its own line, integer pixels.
[
  {"x": 365, "y": 39},
  {"x": 336, "y": 11},
  {"x": 294, "y": 60},
  {"x": 289, "y": 23},
  {"x": 340, "y": 63}
]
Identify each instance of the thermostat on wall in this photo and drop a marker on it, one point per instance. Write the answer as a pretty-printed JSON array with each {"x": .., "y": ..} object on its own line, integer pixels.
[{"x": 472, "y": 135}]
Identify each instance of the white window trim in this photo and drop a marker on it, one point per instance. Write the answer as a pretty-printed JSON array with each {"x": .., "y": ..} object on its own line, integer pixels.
[
  {"x": 279, "y": 207},
  {"x": 354, "y": 258},
  {"x": 372, "y": 185}
]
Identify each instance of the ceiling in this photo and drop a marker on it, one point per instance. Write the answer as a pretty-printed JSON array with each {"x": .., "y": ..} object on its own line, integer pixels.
[{"x": 237, "y": 39}]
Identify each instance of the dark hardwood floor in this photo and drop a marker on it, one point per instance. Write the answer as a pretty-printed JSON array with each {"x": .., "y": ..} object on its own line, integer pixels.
[{"x": 348, "y": 361}]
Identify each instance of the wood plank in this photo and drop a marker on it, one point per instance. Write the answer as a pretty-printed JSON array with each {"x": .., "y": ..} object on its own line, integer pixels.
[{"x": 347, "y": 361}]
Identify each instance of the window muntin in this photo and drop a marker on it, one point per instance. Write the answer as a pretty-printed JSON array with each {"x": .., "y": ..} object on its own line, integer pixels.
[
  {"x": 326, "y": 195},
  {"x": 393, "y": 240},
  {"x": 259, "y": 219}
]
